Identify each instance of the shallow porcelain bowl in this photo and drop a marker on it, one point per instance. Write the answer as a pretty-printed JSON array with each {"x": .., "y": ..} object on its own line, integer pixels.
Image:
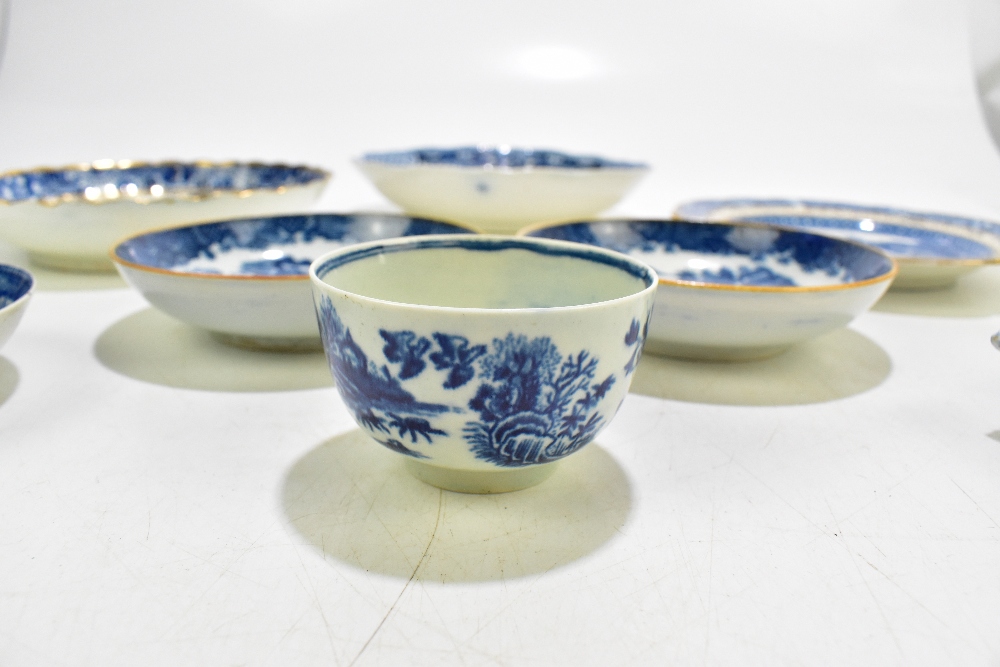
[
  {"x": 68, "y": 218},
  {"x": 15, "y": 290},
  {"x": 736, "y": 291},
  {"x": 933, "y": 250},
  {"x": 501, "y": 189},
  {"x": 247, "y": 280},
  {"x": 482, "y": 359}
]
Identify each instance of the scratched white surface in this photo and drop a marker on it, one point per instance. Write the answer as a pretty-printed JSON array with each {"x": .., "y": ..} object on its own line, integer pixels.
[{"x": 166, "y": 500}]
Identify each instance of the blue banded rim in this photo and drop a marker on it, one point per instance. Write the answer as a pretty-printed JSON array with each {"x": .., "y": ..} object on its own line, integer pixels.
[
  {"x": 487, "y": 243},
  {"x": 706, "y": 210},
  {"x": 137, "y": 182},
  {"x": 119, "y": 252},
  {"x": 498, "y": 157},
  {"x": 15, "y": 285},
  {"x": 888, "y": 275}
]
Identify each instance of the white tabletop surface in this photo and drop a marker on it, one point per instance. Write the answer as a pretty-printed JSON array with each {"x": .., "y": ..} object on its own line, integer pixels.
[{"x": 166, "y": 500}]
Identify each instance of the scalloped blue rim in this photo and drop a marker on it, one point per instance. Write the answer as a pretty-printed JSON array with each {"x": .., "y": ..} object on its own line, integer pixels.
[
  {"x": 477, "y": 243},
  {"x": 172, "y": 176},
  {"x": 497, "y": 156}
]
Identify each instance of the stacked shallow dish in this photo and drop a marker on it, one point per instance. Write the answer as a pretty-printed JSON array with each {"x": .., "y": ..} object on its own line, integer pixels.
[{"x": 933, "y": 250}]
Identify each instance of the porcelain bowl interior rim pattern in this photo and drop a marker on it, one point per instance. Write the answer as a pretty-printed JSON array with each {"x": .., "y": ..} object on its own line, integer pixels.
[
  {"x": 118, "y": 247},
  {"x": 334, "y": 258},
  {"x": 702, "y": 210},
  {"x": 26, "y": 289},
  {"x": 889, "y": 275},
  {"x": 313, "y": 176},
  {"x": 414, "y": 158}
]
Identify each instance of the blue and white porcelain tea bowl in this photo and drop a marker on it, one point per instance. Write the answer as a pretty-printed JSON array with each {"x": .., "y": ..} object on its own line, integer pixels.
[
  {"x": 15, "y": 291},
  {"x": 730, "y": 292},
  {"x": 68, "y": 218},
  {"x": 933, "y": 250},
  {"x": 500, "y": 189},
  {"x": 247, "y": 280},
  {"x": 482, "y": 360}
]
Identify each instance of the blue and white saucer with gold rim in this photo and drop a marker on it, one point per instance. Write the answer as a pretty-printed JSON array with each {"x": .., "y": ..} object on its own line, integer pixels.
[
  {"x": 730, "y": 291},
  {"x": 932, "y": 249},
  {"x": 247, "y": 280}
]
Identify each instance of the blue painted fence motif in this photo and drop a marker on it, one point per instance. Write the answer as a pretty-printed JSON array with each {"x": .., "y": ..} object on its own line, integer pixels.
[{"x": 534, "y": 405}]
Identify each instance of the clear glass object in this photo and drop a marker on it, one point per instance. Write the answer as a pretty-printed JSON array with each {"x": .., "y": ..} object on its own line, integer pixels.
[{"x": 984, "y": 33}]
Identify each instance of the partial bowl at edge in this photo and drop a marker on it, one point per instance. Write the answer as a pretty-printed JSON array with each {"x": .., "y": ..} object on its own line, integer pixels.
[{"x": 16, "y": 286}]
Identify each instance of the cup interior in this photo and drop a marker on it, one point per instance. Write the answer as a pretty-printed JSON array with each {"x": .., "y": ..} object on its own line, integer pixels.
[{"x": 484, "y": 273}]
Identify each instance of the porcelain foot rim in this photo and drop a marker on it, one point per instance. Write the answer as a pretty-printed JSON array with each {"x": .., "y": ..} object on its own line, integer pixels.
[{"x": 480, "y": 481}]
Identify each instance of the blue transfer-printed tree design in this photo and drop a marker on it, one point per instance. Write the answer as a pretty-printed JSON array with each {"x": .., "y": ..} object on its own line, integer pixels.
[
  {"x": 372, "y": 393},
  {"x": 535, "y": 406},
  {"x": 406, "y": 348},
  {"x": 455, "y": 355}
]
